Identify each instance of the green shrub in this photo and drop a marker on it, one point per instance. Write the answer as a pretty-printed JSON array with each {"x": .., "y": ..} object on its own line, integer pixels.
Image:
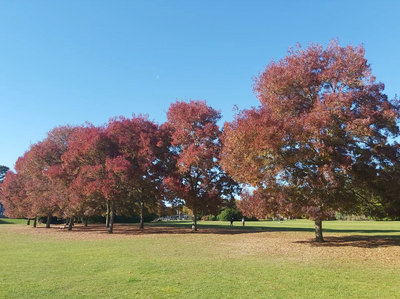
[
  {"x": 350, "y": 217},
  {"x": 228, "y": 214}
]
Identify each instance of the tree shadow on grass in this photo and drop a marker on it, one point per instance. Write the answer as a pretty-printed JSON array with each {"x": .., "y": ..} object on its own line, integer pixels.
[
  {"x": 363, "y": 241},
  {"x": 273, "y": 228},
  {"x": 329, "y": 230},
  {"x": 237, "y": 227},
  {"x": 134, "y": 230},
  {"x": 377, "y": 241}
]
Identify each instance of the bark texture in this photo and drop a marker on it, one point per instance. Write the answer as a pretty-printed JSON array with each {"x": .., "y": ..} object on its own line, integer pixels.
[
  {"x": 48, "y": 221},
  {"x": 142, "y": 215},
  {"x": 71, "y": 223},
  {"x": 108, "y": 214},
  {"x": 194, "y": 222},
  {"x": 318, "y": 231},
  {"x": 111, "y": 224}
]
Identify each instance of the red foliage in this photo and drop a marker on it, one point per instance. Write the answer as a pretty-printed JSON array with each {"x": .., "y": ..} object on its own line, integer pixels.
[
  {"x": 198, "y": 179},
  {"x": 41, "y": 191},
  {"x": 319, "y": 134},
  {"x": 13, "y": 196},
  {"x": 143, "y": 150},
  {"x": 87, "y": 165}
]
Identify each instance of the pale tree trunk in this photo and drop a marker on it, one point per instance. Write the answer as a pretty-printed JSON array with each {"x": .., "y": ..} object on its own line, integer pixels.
[
  {"x": 34, "y": 221},
  {"x": 71, "y": 223},
  {"x": 111, "y": 223},
  {"x": 318, "y": 231},
  {"x": 108, "y": 214},
  {"x": 194, "y": 222},
  {"x": 28, "y": 222},
  {"x": 141, "y": 215},
  {"x": 86, "y": 220},
  {"x": 48, "y": 221}
]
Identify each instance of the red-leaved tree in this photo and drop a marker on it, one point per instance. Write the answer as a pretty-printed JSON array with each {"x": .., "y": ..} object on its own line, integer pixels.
[
  {"x": 40, "y": 194},
  {"x": 44, "y": 195},
  {"x": 13, "y": 196},
  {"x": 143, "y": 151},
  {"x": 198, "y": 179},
  {"x": 90, "y": 163},
  {"x": 319, "y": 136}
]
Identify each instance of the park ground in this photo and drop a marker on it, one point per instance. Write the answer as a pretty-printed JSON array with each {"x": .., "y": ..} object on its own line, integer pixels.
[{"x": 264, "y": 259}]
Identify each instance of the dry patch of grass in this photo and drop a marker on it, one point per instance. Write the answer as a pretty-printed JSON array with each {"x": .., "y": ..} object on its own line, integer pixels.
[{"x": 301, "y": 247}]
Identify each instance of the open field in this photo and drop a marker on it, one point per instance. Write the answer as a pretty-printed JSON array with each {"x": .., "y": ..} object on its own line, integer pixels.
[{"x": 265, "y": 259}]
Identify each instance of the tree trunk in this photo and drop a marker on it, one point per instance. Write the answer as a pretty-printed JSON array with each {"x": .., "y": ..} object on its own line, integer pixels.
[
  {"x": 108, "y": 214},
  {"x": 318, "y": 231},
  {"x": 194, "y": 222},
  {"x": 28, "y": 222},
  {"x": 141, "y": 215},
  {"x": 111, "y": 223},
  {"x": 48, "y": 221},
  {"x": 71, "y": 223},
  {"x": 86, "y": 220},
  {"x": 34, "y": 221}
]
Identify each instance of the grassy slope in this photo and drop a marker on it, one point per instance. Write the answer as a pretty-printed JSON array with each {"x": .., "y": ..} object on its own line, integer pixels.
[{"x": 204, "y": 265}]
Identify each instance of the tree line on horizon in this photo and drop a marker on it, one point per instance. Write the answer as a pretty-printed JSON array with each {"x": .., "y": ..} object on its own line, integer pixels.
[{"x": 321, "y": 141}]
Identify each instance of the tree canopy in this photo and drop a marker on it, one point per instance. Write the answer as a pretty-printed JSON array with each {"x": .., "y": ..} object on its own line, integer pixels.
[
  {"x": 198, "y": 178},
  {"x": 129, "y": 166},
  {"x": 320, "y": 134}
]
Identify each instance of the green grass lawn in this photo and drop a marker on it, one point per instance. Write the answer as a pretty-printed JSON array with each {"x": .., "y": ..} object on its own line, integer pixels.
[
  {"x": 264, "y": 259},
  {"x": 12, "y": 221}
]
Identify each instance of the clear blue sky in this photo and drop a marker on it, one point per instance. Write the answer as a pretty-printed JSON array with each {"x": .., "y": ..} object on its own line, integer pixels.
[{"x": 67, "y": 62}]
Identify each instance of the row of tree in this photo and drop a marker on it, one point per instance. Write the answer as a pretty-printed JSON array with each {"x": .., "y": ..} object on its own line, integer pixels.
[
  {"x": 321, "y": 141},
  {"x": 129, "y": 166}
]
